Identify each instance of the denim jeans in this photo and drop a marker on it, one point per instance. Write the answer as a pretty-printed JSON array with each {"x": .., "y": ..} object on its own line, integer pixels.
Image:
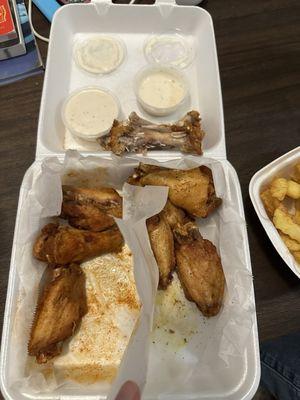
[{"x": 280, "y": 367}]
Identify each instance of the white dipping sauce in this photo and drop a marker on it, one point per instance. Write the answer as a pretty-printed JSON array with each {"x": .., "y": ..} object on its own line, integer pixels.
[
  {"x": 99, "y": 54},
  {"x": 90, "y": 113},
  {"x": 161, "y": 89}
]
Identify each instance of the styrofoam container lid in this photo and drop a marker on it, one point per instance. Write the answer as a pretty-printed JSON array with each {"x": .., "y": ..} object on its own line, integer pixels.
[
  {"x": 281, "y": 166},
  {"x": 139, "y": 22}
]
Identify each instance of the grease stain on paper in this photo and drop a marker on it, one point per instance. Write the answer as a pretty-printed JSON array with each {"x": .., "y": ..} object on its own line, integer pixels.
[{"x": 174, "y": 319}]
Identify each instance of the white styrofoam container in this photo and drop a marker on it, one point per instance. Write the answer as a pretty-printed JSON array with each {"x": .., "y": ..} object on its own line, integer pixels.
[
  {"x": 138, "y": 23},
  {"x": 133, "y": 24},
  {"x": 239, "y": 382},
  {"x": 282, "y": 166}
]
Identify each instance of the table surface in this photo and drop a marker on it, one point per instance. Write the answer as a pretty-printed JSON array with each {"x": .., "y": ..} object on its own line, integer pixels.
[{"x": 259, "y": 57}]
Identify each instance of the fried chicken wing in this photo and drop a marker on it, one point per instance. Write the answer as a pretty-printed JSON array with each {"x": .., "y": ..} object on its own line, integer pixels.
[
  {"x": 61, "y": 305},
  {"x": 174, "y": 216},
  {"x": 138, "y": 135},
  {"x": 91, "y": 209},
  {"x": 162, "y": 244},
  {"x": 60, "y": 244},
  {"x": 199, "y": 269},
  {"x": 141, "y": 171},
  {"x": 193, "y": 189}
]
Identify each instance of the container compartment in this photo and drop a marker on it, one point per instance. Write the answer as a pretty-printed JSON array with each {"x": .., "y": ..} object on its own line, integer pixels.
[
  {"x": 238, "y": 381},
  {"x": 138, "y": 22}
]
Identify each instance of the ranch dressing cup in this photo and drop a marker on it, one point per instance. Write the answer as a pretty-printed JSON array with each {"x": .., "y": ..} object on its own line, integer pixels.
[
  {"x": 89, "y": 113},
  {"x": 160, "y": 90},
  {"x": 99, "y": 54}
]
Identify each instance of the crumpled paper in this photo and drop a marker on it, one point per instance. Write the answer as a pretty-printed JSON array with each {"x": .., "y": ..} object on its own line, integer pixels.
[
  {"x": 217, "y": 346},
  {"x": 138, "y": 206},
  {"x": 216, "y": 351}
]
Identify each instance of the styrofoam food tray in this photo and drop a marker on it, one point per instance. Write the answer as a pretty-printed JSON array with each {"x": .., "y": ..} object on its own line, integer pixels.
[
  {"x": 238, "y": 382},
  {"x": 282, "y": 166},
  {"x": 138, "y": 23},
  {"x": 133, "y": 24}
]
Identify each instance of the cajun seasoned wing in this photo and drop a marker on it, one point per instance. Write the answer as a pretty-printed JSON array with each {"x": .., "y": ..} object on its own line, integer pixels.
[
  {"x": 174, "y": 215},
  {"x": 61, "y": 305},
  {"x": 193, "y": 189},
  {"x": 162, "y": 244},
  {"x": 138, "y": 135},
  {"x": 91, "y": 209},
  {"x": 199, "y": 269},
  {"x": 60, "y": 244}
]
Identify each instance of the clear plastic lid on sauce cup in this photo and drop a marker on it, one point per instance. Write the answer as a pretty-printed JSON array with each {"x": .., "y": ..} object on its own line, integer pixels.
[
  {"x": 160, "y": 90},
  {"x": 89, "y": 113},
  {"x": 169, "y": 48},
  {"x": 99, "y": 54}
]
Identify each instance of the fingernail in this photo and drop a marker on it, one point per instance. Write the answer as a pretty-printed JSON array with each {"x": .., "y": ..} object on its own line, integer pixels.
[{"x": 129, "y": 391}]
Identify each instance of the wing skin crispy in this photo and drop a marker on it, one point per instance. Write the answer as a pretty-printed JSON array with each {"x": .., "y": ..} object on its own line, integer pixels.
[
  {"x": 60, "y": 244},
  {"x": 199, "y": 269},
  {"x": 162, "y": 244},
  {"x": 193, "y": 189},
  {"x": 175, "y": 215},
  {"x": 86, "y": 216},
  {"x": 91, "y": 209},
  {"x": 61, "y": 305}
]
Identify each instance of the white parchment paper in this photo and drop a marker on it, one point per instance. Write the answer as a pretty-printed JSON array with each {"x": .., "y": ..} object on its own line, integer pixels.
[{"x": 213, "y": 352}]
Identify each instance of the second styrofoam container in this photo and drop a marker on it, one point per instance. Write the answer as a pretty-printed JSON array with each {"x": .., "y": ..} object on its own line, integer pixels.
[{"x": 282, "y": 166}]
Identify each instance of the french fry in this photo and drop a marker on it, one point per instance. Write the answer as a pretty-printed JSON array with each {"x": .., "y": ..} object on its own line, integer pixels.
[
  {"x": 279, "y": 188},
  {"x": 296, "y": 173},
  {"x": 291, "y": 244},
  {"x": 293, "y": 190},
  {"x": 285, "y": 223},
  {"x": 297, "y": 212},
  {"x": 282, "y": 187},
  {"x": 270, "y": 202},
  {"x": 296, "y": 255}
]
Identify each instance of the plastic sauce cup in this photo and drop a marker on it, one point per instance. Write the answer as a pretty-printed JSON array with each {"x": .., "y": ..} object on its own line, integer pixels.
[
  {"x": 160, "y": 90},
  {"x": 89, "y": 113}
]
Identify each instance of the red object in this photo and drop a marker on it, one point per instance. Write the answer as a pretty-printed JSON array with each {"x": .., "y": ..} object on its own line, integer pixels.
[{"x": 6, "y": 21}]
